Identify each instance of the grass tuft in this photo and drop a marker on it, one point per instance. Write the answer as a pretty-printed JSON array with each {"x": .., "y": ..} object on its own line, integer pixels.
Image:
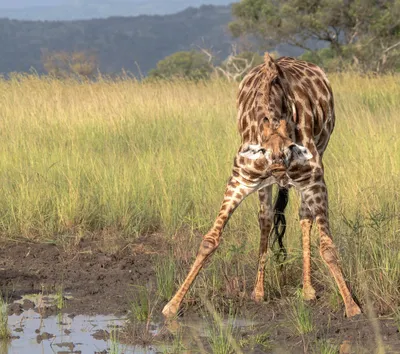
[
  {"x": 220, "y": 335},
  {"x": 323, "y": 346},
  {"x": 5, "y": 333},
  {"x": 114, "y": 343},
  {"x": 300, "y": 317},
  {"x": 165, "y": 275},
  {"x": 140, "y": 304}
]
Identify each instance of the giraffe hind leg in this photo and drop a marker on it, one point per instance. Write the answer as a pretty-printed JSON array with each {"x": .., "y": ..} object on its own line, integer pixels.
[
  {"x": 317, "y": 200},
  {"x": 265, "y": 217},
  {"x": 306, "y": 221}
]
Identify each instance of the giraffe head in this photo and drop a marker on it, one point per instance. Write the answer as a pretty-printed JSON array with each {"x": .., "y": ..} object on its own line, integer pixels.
[{"x": 276, "y": 147}]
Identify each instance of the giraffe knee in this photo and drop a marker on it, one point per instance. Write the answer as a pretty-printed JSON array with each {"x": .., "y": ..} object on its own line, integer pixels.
[
  {"x": 208, "y": 246},
  {"x": 328, "y": 250}
]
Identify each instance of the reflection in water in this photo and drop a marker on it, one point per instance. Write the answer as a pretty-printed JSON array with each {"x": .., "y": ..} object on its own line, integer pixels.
[
  {"x": 65, "y": 333},
  {"x": 62, "y": 333}
]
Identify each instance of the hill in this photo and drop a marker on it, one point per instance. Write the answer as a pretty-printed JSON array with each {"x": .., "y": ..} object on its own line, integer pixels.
[{"x": 118, "y": 42}]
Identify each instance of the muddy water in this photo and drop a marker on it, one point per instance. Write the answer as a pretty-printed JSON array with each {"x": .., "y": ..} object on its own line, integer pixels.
[
  {"x": 58, "y": 333},
  {"x": 39, "y": 328},
  {"x": 35, "y": 333}
]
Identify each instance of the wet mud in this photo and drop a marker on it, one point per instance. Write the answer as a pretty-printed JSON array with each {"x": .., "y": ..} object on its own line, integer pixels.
[{"x": 98, "y": 280}]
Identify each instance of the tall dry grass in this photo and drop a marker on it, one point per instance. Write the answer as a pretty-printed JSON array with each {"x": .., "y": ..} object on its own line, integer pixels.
[{"x": 135, "y": 157}]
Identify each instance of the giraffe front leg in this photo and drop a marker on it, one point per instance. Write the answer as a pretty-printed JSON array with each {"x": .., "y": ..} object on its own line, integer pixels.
[
  {"x": 234, "y": 195},
  {"x": 308, "y": 289},
  {"x": 306, "y": 221},
  {"x": 317, "y": 200},
  {"x": 265, "y": 217}
]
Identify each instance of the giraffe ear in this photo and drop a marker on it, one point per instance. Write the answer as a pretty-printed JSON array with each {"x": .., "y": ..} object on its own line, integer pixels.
[
  {"x": 300, "y": 153},
  {"x": 252, "y": 152}
]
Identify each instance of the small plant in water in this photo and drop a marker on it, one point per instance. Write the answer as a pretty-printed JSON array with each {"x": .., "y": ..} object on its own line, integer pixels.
[
  {"x": 177, "y": 345},
  {"x": 114, "y": 342},
  {"x": 60, "y": 303},
  {"x": 140, "y": 305},
  {"x": 219, "y": 341},
  {"x": 165, "y": 274},
  {"x": 300, "y": 317},
  {"x": 261, "y": 339},
  {"x": 222, "y": 334},
  {"x": 4, "y": 330}
]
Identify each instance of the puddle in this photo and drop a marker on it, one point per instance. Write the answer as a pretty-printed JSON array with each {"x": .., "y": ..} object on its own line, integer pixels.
[
  {"x": 38, "y": 328},
  {"x": 62, "y": 333},
  {"x": 59, "y": 333}
]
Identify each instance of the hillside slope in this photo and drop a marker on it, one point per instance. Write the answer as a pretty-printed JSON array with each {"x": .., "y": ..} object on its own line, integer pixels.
[{"x": 118, "y": 42}]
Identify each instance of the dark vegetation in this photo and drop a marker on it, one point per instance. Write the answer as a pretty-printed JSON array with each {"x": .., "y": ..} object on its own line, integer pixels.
[{"x": 358, "y": 34}]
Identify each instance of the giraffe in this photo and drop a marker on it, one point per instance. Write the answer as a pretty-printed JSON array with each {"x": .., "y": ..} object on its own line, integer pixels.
[{"x": 285, "y": 119}]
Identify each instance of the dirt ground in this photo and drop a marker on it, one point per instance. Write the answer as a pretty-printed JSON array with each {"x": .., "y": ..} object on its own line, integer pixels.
[{"x": 100, "y": 282}]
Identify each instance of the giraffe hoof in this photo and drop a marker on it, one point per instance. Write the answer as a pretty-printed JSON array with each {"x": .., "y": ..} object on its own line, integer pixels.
[
  {"x": 170, "y": 310},
  {"x": 257, "y": 296},
  {"x": 353, "y": 310},
  {"x": 309, "y": 293}
]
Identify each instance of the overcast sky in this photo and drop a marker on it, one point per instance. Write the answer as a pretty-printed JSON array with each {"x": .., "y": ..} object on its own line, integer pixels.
[
  {"x": 86, "y": 9},
  {"x": 15, "y": 4}
]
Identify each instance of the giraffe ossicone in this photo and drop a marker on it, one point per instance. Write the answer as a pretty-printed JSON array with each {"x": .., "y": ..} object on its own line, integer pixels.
[{"x": 285, "y": 118}]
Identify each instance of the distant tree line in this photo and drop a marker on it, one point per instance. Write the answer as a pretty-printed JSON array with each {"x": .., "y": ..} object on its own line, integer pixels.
[{"x": 361, "y": 35}]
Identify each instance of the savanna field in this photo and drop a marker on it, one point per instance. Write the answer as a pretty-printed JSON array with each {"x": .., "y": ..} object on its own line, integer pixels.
[{"x": 125, "y": 159}]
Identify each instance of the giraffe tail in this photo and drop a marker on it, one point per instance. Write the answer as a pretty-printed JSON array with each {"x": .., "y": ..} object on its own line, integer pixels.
[{"x": 280, "y": 221}]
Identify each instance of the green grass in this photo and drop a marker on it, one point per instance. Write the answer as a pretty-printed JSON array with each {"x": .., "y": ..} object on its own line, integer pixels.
[
  {"x": 165, "y": 275},
  {"x": 300, "y": 317},
  {"x": 59, "y": 298},
  {"x": 176, "y": 346},
  {"x": 140, "y": 304},
  {"x": 5, "y": 333},
  {"x": 323, "y": 346},
  {"x": 262, "y": 340},
  {"x": 114, "y": 344},
  {"x": 222, "y": 335},
  {"x": 134, "y": 158}
]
